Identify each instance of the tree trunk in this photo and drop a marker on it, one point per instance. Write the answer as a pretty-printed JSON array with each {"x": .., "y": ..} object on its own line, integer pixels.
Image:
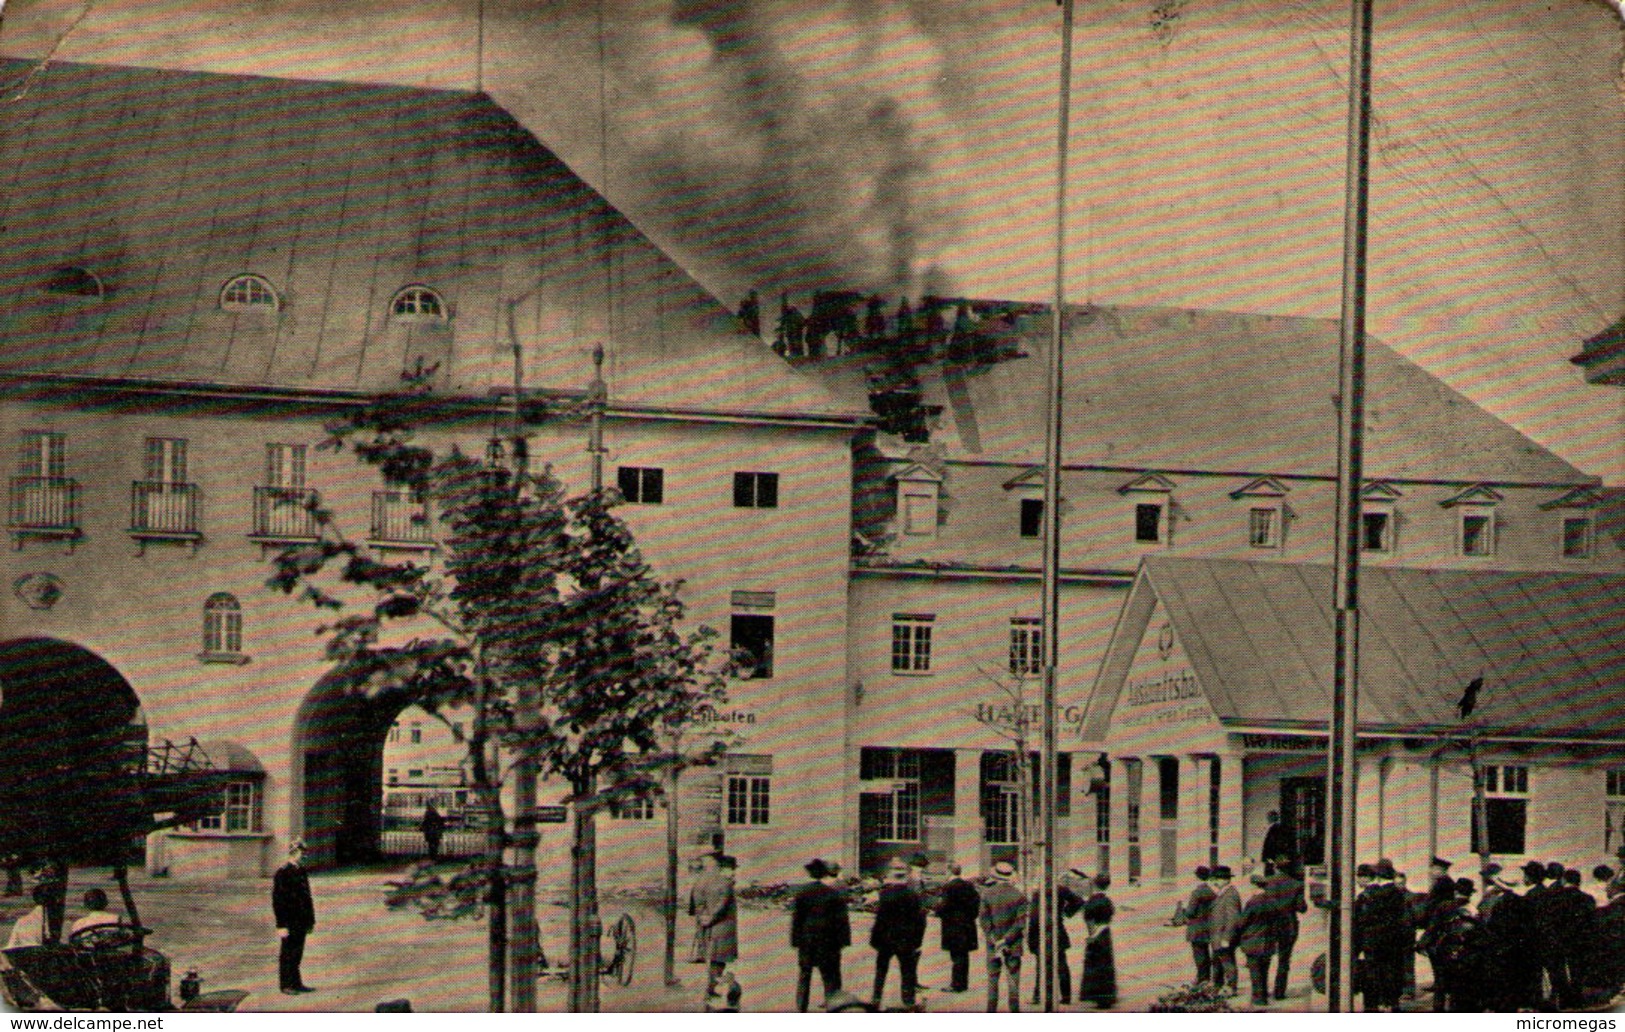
[
  {"x": 585, "y": 926},
  {"x": 669, "y": 909},
  {"x": 496, "y": 959},
  {"x": 522, "y": 875}
]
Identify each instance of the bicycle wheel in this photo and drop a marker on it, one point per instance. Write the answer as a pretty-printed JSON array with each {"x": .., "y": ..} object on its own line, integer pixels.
[{"x": 625, "y": 934}]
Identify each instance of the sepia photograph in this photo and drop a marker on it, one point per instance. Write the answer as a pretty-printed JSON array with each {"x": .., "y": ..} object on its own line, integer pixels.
[{"x": 906, "y": 506}]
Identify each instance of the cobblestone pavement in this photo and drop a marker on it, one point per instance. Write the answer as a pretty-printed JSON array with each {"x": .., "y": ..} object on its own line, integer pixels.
[{"x": 362, "y": 954}]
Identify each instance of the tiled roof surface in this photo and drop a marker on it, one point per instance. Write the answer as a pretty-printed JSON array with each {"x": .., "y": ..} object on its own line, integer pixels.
[
  {"x": 1175, "y": 389},
  {"x": 167, "y": 184},
  {"x": 1550, "y": 646}
]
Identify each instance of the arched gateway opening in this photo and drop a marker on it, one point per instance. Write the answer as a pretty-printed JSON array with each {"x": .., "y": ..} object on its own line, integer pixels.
[
  {"x": 339, "y": 746},
  {"x": 73, "y": 745}
]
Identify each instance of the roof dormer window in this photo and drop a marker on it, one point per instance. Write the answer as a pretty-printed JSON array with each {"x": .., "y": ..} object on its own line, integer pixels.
[
  {"x": 418, "y": 303},
  {"x": 249, "y": 293},
  {"x": 73, "y": 281}
]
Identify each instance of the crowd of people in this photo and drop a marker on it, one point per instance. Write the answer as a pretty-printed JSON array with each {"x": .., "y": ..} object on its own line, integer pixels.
[
  {"x": 994, "y": 905},
  {"x": 1536, "y": 939}
]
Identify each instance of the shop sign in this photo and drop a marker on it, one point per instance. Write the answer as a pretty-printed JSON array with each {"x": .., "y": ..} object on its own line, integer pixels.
[
  {"x": 1005, "y": 714},
  {"x": 1283, "y": 743},
  {"x": 735, "y": 716},
  {"x": 1174, "y": 698}
]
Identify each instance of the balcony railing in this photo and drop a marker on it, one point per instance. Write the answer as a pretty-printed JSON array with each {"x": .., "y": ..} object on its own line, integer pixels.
[
  {"x": 400, "y": 518},
  {"x": 284, "y": 513},
  {"x": 162, "y": 508},
  {"x": 44, "y": 507}
]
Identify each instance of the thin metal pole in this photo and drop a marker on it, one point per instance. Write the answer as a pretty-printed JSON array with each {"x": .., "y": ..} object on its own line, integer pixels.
[
  {"x": 1340, "y": 768},
  {"x": 1049, "y": 622}
]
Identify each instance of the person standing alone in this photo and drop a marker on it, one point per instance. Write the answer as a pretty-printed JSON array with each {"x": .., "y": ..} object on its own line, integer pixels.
[
  {"x": 958, "y": 907},
  {"x": 433, "y": 827},
  {"x": 295, "y": 913}
]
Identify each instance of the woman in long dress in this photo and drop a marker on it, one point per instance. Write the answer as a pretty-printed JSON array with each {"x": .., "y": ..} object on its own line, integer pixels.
[{"x": 1099, "y": 983}]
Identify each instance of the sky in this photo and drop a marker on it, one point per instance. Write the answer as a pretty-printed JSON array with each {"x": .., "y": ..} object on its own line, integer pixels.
[{"x": 909, "y": 146}]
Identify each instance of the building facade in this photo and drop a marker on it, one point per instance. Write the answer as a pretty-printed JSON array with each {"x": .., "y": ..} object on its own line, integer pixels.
[{"x": 172, "y": 347}]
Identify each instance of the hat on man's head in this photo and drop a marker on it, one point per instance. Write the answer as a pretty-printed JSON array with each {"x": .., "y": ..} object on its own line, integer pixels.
[
  {"x": 1203, "y": 873},
  {"x": 1464, "y": 887},
  {"x": 919, "y": 860},
  {"x": 816, "y": 868},
  {"x": 1554, "y": 871},
  {"x": 1436, "y": 862},
  {"x": 1221, "y": 872},
  {"x": 727, "y": 863},
  {"x": 1534, "y": 871},
  {"x": 1365, "y": 871},
  {"x": 1385, "y": 869},
  {"x": 1004, "y": 870},
  {"x": 1490, "y": 870},
  {"x": 296, "y": 846}
]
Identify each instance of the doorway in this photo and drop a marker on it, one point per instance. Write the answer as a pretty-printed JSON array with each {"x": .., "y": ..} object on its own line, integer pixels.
[{"x": 1303, "y": 812}]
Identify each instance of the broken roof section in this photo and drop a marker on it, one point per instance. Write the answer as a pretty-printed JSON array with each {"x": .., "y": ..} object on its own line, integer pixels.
[
  {"x": 1176, "y": 389},
  {"x": 166, "y": 186},
  {"x": 1550, "y": 647}
]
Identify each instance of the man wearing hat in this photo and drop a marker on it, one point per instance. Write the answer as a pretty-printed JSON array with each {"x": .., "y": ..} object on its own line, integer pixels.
[
  {"x": 1224, "y": 928},
  {"x": 819, "y": 931},
  {"x": 958, "y": 908},
  {"x": 898, "y": 931},
  {"x": 1545, "y": 913},
  {"x": 1197, "y": 934},
  {"x": 1511, "y": 970},
  {"x": 718, "y": 914},
  {"x": 1004, "y": 920},
  {"x": 295, "y": 914}
]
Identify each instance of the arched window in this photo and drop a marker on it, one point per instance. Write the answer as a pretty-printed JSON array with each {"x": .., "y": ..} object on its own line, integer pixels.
[
  {"x": 73, "y": 281},
  {"x": 417, "y": 302},
  {"x": 248, "y": 294},
  {"x": 222, "y": 625}
]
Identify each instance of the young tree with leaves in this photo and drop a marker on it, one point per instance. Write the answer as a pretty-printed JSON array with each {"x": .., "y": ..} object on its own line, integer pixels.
[{"x": 543, "y": 617}]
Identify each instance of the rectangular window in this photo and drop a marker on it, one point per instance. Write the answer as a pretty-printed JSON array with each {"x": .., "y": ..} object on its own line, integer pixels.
[
  {"x": 642, "y": 485},
  {"x": 911, "y": 643},
  {"x": 165, "y": 460},
  {"x": 43, "y": 454},
  {"x": 1576, "y": 537},
  {"x": 239, "y": 809},
  {"x": 1477, "y": 534},
  {"x": 1032, "y": 517},
  {"x": 1148, "y": 522},
  {"x": 1506, "y": 810},
  {"x": 417, "y": 734},
  {"x": 920, "y": 514},
  {"x": 1375, "y": 530},
  {"x": 1026, "y": 646},
  {"x": 749, "y": 790},
  {"x": 285, "y": 465},
  {"x": 632, "y": 809},
  {"x": 750, "y": 639},
  {"x": 756, "y": 490},
  {"x": 1262, "y": 526}
]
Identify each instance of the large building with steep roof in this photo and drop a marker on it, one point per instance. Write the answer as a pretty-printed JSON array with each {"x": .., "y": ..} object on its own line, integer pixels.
[
  {"x": 1195, "y": 437},
  {"x": 197, "y": 272}
]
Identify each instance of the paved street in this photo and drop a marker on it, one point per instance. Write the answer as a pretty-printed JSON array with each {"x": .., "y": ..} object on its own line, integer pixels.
[{"x": 362, "y": 954}]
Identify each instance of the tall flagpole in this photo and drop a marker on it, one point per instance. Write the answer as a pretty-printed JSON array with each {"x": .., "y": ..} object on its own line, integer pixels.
[
  {"x": 1049, "y": 624},
  {"x": 1340, "y": 767}
]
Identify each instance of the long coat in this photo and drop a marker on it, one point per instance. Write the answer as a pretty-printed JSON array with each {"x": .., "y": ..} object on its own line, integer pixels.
[
  {"x": 290, "y": 899},
  {"x": 899, "y": 920},
  {"x": 1260, "y": 931},
  {"x": 958, "y": 907},
  {"x": 1224, "y": 920},
  {"x": 1198, "y": 913},
  {"x": 819, "y": 925},
  {"x": 718, "y": 918}
]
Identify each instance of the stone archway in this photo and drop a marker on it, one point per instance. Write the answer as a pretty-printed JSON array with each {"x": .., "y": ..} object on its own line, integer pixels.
[
  {"x": 339, "y": 760},
  {"x": 73, "y": 743}
]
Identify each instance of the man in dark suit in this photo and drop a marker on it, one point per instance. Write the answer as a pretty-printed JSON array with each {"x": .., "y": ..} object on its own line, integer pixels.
[
  {"x": 1383, "y": 933},
  {"x": 1197, "y": 932},
  {"x": 295, "y": 913},
  {"x": 819, "y": 931},
  {"x": 898, "y": 931},
  {"x": 1286, "y": 891},
  {"x": 1545, "y": 912},
  {"x": 957, "y": 907},
  {"x": 1278, "y": 844}
]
